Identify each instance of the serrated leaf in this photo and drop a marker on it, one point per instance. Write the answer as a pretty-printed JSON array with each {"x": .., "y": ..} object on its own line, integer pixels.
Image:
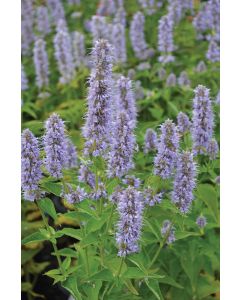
[
  {"x": 104, "y": 275},
  {"x": 184, "y": 234},
  {"x": 47, "y": 206},
  {"x": 71, "y": 285},
  {"x": 54, "y": 188},
  {"x": 34, "y": 237},
  {"x": 154, "y": 287},
  {"x": 133, "y": 273},
  {"x": 72, "y": 232}
]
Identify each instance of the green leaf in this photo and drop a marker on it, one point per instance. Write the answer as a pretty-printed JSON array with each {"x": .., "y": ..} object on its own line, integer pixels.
[
  {"x": 133, "y": 273},
  {"x": 26, "y": 286},
  {"x": 131, "y": 288},
  {"x": 67, "y": 252},
  {"x": 34, "y": 237},
  {"x": 54, "y": 188},
  {"x": 170, "y": 281},
  {"x": 95, "y": 224},
  {"x": 154, "y": 287},
  {"x": 26, "y": 255},
  {"x": 92, "y": 289},
  {"x": 104, "y": 275},
  {"x": 66, "y": 263},
  {"x": 74, "y": 233},
  {"x": 71, "y": 285},
  {"x": 47, "y": 206},
  {"x": 184, "y": 234},
  {"x": 89, "y": 240}
]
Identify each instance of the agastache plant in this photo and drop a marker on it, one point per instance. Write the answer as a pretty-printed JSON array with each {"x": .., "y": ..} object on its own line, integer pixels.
[
  {"x": 213, "y": 149},
  {"x": 201, "y": 221},
  {"x": 165, "y": 160},
  {"x": 130, "y": 209},
  {"x": 165, "y": 40},
  {"x": 55, "y": 145},
  {"x": 183, "y": 123},
  {"x": 184, "y": 182},
  {"x": 30, "y": 166},
  {"x": 122, "y": 147},
  {"x": 41, "y": 63},
  {"x": 120, "y": 17},
  {"x": 171, "y": 80},
  {"x": 213, "y": 52},
  {"x": 168, "y": 232},
  {"x": 99, "y": 28},
  {"x": 56, "y": 10},
  {"x": 42, "y": 21},
  {"x": 24, "y": 80},
  {"x": 72, "y": 156},
  {"x": 183, "y": 79},
  {"x": 63, "y": 55},
  {"x": 96, "y": 128},
  {"x": 74, "y": 2},
  {"x": 202, "y": 120},
  {"x": 119, "y": 43},
  {"x": 151, "y": 198},
  {"x": 151, "y": 140},
  {"x": 27, "y": 22},
  {"x": 78, "y": 45}
]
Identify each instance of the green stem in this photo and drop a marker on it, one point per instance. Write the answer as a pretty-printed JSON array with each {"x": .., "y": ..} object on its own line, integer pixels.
[{"x": 53, "y": 244}]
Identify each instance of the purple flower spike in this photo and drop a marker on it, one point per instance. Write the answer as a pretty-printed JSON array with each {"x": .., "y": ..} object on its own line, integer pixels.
[
  {"x": 27, "y": 35},
  {"x": 30, "y": 166},
  {"x": 183, "y": 79},
  {"x": 213, "y": 52},
  {"x": 41, "y": 63},
  {"x": 165, "y": 160},
  {"x": 120, "y": 17},
  {"x": 168, "y": 232},
  {"x": 184, "y": 182},
  {"x": 99, "y": 28},
  {"x": 56, "y": 10},
  {"x": 151, "y": 198},
  {"x": 213, "y": 149},
  {"x": 96, "y": 128},
  {"x": 76, "y": 196},
  {"x": 201, "y": 67},
  {"x": 86, "y": 176},
  {"x": 132, "y": 181},
  {"x": 183, "y": 123},
  {"x": 165, "y": 40},
  {"x": 202, "y": 120},
  {"x": 42, "y": 20},
  {"x": 151, "y": 141},
  {"x": 55, "y": 145},
  {"x": 72, "y": 156},
  {"x": 201, "y": 221},
  {"x": 122, "y": 146},
  {"x": 74, "y": 2},
  {"x": 171, "y": 80},
  {"x": 130, "y": 209},
  {"x": 119, "y": 43},
  {"x": 78, "y": 45},
  {"x": 24, "y": 80}
]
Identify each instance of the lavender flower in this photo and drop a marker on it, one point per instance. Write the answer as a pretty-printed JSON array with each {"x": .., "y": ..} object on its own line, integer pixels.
[
  {"x": 99, "y": 28},
  {"x": 168, "y": 232},
  {"x": 217, "y": 100},
  {"x": 165, "y": 40},
  {"x": 122, "y": 146},
  {"x": 183, "y": 123},
  {"x": 201, "y": 67},
  {"x": 171, "y": 80},
  {"x": 119, "y": 43},
  {"x": 143, "y": 66},
  {"x": 63, "y": 55},
  {"x": 138, "y": 90},
  {"x": 162, "y": 74},
  {"x": 74, "y": 2},
  {"x": 165, "y": 160},
  {"x": 131, "y": 73},
  {"x": 151, "y": 198},
  {"x": 137, "y": 36},
  {"x": 202, "y": 120},
  {"x": 150, "y": 5},
  {"x": 116, "y": 195},
  {"x": 42, "y": 20},
  {"x": 78, "y": 45},
  {"x": 130, "y": 208},
  {"x": 55, "y": 145},
  {"x": 76, "y": 196},
  {"x": 86, "y": 176},
  {"x": 72, "y": 157},
  {"x": 175, "y": 11},
  {"x": 213, "y": 149},
  {"x": 41, "y": 63},
  {"x": 30, "y": 166},
  {"x": 126, "y": 99},
  {"x": 120, "y": 17},
  {"x": 27, "y": 35},
  {"x": 151, "y": 140},
  {"x": 106, "y": 8},
  {"x": 213, "y": 52},
  {"x": 201, "y": 221},
  {"x": 184, "y": 181},
  {"x": 24, "y": 80},
  {"x": 99, "y": 191},
  {"x": 183, "y": 79},
  {"x": 96, "y": 128},
  {"x": 56, "y": 10},
  {"x": 132, "y": 181}
]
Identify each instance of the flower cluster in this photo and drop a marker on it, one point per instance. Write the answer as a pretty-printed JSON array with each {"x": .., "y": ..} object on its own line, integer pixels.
[
  {"x": 41, "y": 63},
  {"x": 75, "y": 196},
  {"x": 99, "y": 28},
  {"x": 119, "y": 43},
  {"x": 78, "y": 46},
  {"x": 201, "y": 67},
  {"x": 213, "y": 52},
  {"x": 30, "y": 166},
  {"x": 183, "y": 79},
  {"x": 183, "y": 123},
  {"x": 56, "y": 10},
  {"x": 184, "y": 181},
  {"x": 151, "y": 140},
  {"x": 132, "y": 181},
  {"x": 130, "y": 209},
  {"x": 72, "y": 157},
  {"x": 171, "y": 80},
  {"x": 212, "y": 149},
  {"x": 165, "y": 160},
  {"x": 201, "y": 221},
  {"x": 150, "y": 198},
  {"x": 27, "y": 35},
  {"x": 24, "y": 80},
  {"x": 86, "y": 176},
  {"x": 168, "y": 232},
  {"x": 42, "y": 20}
]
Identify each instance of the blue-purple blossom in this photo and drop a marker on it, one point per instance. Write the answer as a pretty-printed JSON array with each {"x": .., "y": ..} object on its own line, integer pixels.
[
  {"x": 171, "y": 80},
  {"x": 27, "y": 22},
  {"x": 116, "y": 195},
  {"x": 165, "y": 160},
  {"x": 30, "y": 166},
  {"x": 162, "y": 74},
  {"x": 217, "y": 100},
  {"x": 24, "y": 80},
  {"x": 86, "y": 176},
  {"x": 168, "y": 232},
  {"x": 75, "y": 196},
  {"x": 213, "y": 52},
  {"x": 106, "y": 8},
  {"x": 151, "y": 198},
  {"x": 41, "y": 63},
  {"x": 42, "y": 20},
  {"x": 183, "y": 79},
  {"x": 184, "y": 182},
  {"x": 138, "y": 90},
  {"x": 151, "y": 141},
  {"x": 201, "y": 67},
  {"x": 201, "y": 221},
  {"x": 78, "y": 46},
  {"x": 126, "y": 99},
  {"x": 63, "y": 55},
  {"x": 202, "y": 120},
  {"x": 132, "y": 181},
  {"x": 119, "y": 43},
  {"x": 56, "y": 10},
  {"x": 213, "y": 149},
  {"x": 130, "y": 209},
  {"x": 99, "y": 28},
  {"x": 143, "y": 66},
  {"x": 55, "y": 145},
  {"x": 183, "y": 123},
  {"x": 122, "y": 146},
  {"x": 150, "y": 6},
  {"x": 74, "y": 2},
  {"x": 165, "y": 40},
  {"x": 72, "y": 156},
  {"x": 98, "y": 192},
  {"x": 137, "y": 36},
  {"x": 96, "y": 128},
  {"x": 120, "y": 17},
  {"x": 175, "y": 11}
]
